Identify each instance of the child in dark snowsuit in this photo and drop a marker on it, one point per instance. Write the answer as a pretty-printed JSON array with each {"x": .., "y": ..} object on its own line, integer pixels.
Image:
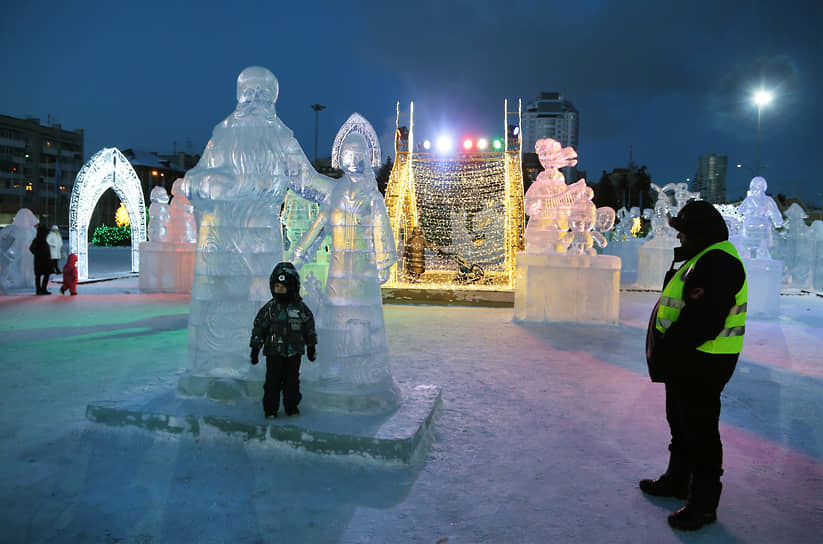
[
  {"x": 70, "y": 275},
  {"x": 283, "y": 328}
]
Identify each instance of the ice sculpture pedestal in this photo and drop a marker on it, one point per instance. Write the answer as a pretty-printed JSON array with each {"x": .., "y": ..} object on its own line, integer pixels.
[
  {"x": 567, "y": 288},
  {"x": 166, "y": 267},
  {"x": 764, "y": 277},
  {"x": 628, "y": 251},
  {"x": 653, "y": 260}
]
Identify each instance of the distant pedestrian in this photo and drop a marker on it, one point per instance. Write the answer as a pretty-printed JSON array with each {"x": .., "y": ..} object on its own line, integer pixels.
[
  {"x": 42, "y": 260},
  {"x": 284, "y": 329},
  {"x": 55, "y": 242},
  {"x": 70, "y": 275}
]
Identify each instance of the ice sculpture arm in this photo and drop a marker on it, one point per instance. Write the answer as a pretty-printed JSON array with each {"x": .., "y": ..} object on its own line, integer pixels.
[
  {"x": 385, "y": 252},
  {"x": 774, "y": 213},
  {"x": 599, "y": 238},
  {"x": 307, "y": 246}
]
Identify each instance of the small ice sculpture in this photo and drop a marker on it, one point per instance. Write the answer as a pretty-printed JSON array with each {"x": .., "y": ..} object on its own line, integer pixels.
[
  {"x": 817, "y": 261},
  {"x": 760, "y": 216},
  {"x": 796, "y": 248},
  {"x": 158, "y": 214},
  {"x": 16, "y": 263},
  {"x": 663, "y": 208},
  {"x": 628, "y": 226},
  {"x": 587, "y": 223},
  {"x": 353, "y": 358},
  {"x": 548, "y": 200},
  {"x": 182, "y": 227},
  {"x": 237, "y": 189}
]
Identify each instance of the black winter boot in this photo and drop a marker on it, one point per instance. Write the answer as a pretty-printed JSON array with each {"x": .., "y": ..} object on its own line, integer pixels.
[
  {"x": 672, "y": 483},
  {"x": 702, "y": 506},
  {"x": 667, "y": 485}
]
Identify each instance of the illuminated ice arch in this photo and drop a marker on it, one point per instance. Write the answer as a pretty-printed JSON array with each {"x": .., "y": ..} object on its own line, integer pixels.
[
  {"x": 107, "y": 169},
  {"x": 356, "y": 123}
]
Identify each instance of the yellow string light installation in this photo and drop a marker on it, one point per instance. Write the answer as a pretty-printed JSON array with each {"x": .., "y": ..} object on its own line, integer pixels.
[
  {"x": 470, "y": 208},
  {"x": 121, "y": 216}
]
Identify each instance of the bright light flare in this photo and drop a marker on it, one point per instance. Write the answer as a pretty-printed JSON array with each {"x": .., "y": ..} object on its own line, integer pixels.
[
  {"x": 467, "y": 144},
  {"x": 444, "y": 144},
  {"x": 482, "y": 143},
  {"x": 427, "y": 145},
  {"x": 761, "y": 97},
  {"x": 497, "y": 144}
]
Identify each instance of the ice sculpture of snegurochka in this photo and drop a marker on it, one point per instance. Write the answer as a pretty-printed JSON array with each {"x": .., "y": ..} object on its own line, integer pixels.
[
  {"x": 548, "y": 200},
  {"x": 796, "y": 249},
  {"x": 760, "y": 216},
  {"x": 16, "y": 263},
  {"x": 237, "y": 190},
  {"x": 158, "y": 214},
  {"x": 352, "y": 371}
]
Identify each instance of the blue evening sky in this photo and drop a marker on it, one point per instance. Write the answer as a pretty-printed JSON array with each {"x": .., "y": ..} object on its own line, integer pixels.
[{"x": 672, "y": 80}]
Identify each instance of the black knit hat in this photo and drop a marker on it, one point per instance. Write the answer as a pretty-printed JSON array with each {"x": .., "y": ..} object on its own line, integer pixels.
[
  {"x": 700, "y": 219},
  {"x": 286, "y": 274}
]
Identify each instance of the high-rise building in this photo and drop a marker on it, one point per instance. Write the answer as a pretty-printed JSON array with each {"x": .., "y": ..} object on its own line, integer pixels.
[
  {"x": 549, "y": 116},
  {"x": 710, "y": 178},
  {"x": 38, "y": 164}
]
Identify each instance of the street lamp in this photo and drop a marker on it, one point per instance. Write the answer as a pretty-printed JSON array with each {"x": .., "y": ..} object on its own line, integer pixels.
[
  {"x": 317, "y": 109},
  {"x": 761, "y": 98}
]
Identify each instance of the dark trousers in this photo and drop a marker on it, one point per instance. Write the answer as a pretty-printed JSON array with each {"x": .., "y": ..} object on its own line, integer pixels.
[
  {"x": 41, "y": 281},
  {"x": 282, "y": 374},
  {"x": 54, "y": 267},
  {"x": 693, "y": 413}
]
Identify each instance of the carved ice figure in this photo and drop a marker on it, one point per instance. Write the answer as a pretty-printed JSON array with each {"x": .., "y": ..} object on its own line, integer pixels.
[
  {"x": 16, "y": 263},
  {"x": 682, "y": 195},
  {"x": 733, "y": 219},
  {"x": 760, "y": 216},
  {"x": 663, "y": 208},
  {"x": 353, "y": 357},
  {"x": 796, "y": 248},
  {"x": 587, "y": 223},
  {"x": 548, "y": 200},
  {"x": 158, "y": 214},
  {"x": 237, "y": 190},
  {"x": 816, "y": 233},
  {"x": 182, "y": 226},
  {"x": 628, "y": 218}
]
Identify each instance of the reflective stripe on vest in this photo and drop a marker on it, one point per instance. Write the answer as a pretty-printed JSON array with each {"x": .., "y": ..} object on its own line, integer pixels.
[{"x": 730, "y": 338}]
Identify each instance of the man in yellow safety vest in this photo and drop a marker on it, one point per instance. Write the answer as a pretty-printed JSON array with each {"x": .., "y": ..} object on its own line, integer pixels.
[{"x": 693, "y": 342}]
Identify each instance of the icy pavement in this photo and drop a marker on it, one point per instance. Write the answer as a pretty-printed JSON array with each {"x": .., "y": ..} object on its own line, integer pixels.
[{"x": 543, "y": 434}]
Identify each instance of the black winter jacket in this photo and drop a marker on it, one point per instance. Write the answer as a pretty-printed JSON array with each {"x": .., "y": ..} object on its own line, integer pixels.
[{"x": 283, "y": 328}]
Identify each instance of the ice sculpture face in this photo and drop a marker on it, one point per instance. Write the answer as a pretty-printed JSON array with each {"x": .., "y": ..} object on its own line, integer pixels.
[
  {"x": 760, "y": 217},
  {"x": 353, "y": 351},
  {"x": 16, "y": 264},
  {"x": 587, "y": 223},
  {"x": 354, "y": 154},
  {"x": 237, "y": 190},
  {"x": 257, "y": 84}
]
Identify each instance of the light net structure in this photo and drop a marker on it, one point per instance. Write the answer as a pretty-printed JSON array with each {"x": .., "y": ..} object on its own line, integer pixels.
[
  {"x": 107, "y": 169},
  {"x": 470, "y": 210}
]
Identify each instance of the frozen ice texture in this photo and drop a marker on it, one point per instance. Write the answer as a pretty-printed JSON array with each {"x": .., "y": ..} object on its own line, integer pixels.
[
  {"x": 795, "y": 248},
  {"x": 353, "y": 356},
  {"x": 548, "y": 200},
  {"x": 16, "y": 261},
  {"x": 817, "y": 261},
  {"x": 764, "y": 277},
  {"x": 158, "y": 214},
  {"x": 567, "y": 288},
  {"x": 587, "y": 223},
  {"x": 760, "y": 217},
  {"x": 182, "y": 227},
  {"x": 237, "y": 190}
]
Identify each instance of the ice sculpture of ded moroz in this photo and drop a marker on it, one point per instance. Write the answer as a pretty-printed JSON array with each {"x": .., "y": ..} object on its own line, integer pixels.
[
  {"x": 352, "y": 371},
  {"x": 237, "y": 190}
]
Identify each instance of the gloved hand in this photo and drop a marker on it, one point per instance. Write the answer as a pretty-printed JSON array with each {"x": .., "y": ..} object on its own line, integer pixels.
[
  {"x": 255, "y": 356},
  {"x": 311, "y": 353}
]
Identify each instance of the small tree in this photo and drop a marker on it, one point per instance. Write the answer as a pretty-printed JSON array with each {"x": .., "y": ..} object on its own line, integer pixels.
[{"x": 121, "y": 216}]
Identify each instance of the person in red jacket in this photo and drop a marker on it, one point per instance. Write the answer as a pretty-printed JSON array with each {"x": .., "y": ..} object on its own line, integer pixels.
[{"x": 70, "y": 275}]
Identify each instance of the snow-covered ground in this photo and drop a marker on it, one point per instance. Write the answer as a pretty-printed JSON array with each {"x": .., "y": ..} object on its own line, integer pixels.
[{"x": 543, "y": 434}]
